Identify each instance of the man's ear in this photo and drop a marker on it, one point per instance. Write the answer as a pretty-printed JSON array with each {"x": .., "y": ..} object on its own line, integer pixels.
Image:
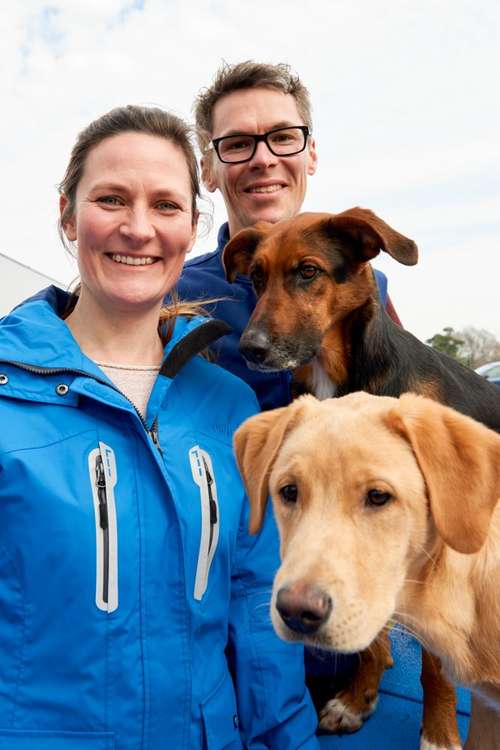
[
  {"x": 368, "y": 234},
  {"x": 208, "y": 175},
  {"x": 312, "y": 159},
  {"x": 238, "y": 253},
  {"x": 68, "y": 225},
  {"x": 256, "y": 445},
  {"x": 460, "y": 462}
]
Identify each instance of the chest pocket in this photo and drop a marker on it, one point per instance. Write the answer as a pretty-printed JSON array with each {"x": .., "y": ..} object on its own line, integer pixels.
[{"x": 204, "y": 478}]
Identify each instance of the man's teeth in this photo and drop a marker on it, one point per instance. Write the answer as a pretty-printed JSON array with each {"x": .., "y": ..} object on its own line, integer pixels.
[
  {"x": 265, "y": 189},
  {"x": 131, "y": 260}
]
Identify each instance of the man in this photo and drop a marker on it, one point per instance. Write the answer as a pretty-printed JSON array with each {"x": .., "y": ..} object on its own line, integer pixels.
[
  {"x": 262, "y": 176},
  {"x": 255, "y": 133}
]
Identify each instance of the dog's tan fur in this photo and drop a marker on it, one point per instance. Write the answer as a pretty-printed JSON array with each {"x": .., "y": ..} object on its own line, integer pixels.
[{"x": 429, "y": 558}]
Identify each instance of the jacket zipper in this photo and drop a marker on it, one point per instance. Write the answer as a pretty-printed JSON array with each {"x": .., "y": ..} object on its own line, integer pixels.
[
  {"x": 102, "y": 470},
  {"x": 203, "y": 476},
  {"x": 212, "y": 505},
  {"x": 104, "y": 524},
  {"x": 153, "y": 432}
]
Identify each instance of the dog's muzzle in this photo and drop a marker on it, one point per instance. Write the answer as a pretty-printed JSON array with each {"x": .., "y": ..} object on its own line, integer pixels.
[
  {"x": 255, "y": 346},
  {"x": 303, "y": 608}
]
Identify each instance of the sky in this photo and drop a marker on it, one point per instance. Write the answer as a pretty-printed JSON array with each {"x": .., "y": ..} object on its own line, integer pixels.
[{"x": 406, "y": 111}]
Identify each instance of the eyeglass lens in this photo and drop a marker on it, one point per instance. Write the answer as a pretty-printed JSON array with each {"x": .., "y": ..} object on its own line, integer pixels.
[{"x": 283, "y": 142}]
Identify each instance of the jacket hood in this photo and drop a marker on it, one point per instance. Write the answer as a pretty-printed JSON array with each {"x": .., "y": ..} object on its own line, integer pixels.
[{"x": 34, "y": 334}]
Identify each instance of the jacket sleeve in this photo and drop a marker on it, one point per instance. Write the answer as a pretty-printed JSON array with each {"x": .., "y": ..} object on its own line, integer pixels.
[{"x": 274, "y": 706}]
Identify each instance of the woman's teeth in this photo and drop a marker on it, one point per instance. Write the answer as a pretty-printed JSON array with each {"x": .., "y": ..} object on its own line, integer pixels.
[
  {"x": 131, "y": 260},
  {"x": 265, "y": 189}
]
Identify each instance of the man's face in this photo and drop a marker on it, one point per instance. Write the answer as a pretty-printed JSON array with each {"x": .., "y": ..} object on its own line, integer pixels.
[{"x": 267, "y": 187}]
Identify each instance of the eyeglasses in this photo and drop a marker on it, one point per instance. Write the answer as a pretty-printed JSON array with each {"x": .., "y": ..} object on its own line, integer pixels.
[{"x": 236, "y": 149}]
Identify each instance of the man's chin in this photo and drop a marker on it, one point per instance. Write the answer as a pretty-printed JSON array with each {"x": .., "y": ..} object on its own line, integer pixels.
[{"x": 271, "y": 211}]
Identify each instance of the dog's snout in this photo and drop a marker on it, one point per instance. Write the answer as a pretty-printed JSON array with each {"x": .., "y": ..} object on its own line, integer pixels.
[
  {"x": 303, "y": 608},
  {"x": 255, "y": 345}
]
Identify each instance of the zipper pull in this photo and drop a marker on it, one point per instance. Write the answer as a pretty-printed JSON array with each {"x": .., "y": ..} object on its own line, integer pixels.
[
  {"x": 101, "y": 493},
  {"x": 154, "y": 434},
  {"x": 211, "y": 502}
]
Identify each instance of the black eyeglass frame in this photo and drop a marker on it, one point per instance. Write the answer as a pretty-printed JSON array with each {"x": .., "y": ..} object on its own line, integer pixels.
[{"x": 257, "y": 138}]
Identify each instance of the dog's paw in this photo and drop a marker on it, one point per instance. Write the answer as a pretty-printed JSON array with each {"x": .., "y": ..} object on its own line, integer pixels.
[
  {"x": 341, "y": 714},
  {"x": 426, "y": 745}
]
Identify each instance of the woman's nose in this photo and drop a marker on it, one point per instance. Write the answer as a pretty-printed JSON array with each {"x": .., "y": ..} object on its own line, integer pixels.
[{"x": 138, "y": 226}]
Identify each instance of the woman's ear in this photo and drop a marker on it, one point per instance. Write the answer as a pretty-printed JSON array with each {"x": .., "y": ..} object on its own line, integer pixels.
[
  {"x": 194, "y": 231},
  {"x": 68, "y": 225}
]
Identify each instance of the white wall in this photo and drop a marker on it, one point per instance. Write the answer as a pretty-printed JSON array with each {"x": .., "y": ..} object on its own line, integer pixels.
[{"x": 17, "y": 282}]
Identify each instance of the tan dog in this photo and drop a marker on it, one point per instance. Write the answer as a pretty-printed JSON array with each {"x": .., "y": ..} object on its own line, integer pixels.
[{"x": 387, "y": 510}]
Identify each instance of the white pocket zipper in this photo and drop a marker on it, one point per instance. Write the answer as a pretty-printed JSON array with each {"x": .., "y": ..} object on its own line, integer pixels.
[
  {"x": 102, "y": 470},
  {"x": 204, "y": 477}
]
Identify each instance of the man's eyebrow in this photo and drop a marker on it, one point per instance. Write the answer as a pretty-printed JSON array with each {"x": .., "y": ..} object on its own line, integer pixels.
[{"x": 276, "y": 126}]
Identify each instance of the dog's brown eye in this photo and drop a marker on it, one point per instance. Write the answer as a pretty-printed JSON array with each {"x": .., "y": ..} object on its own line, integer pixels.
[
  {"x": 308, "y": 272},
  {"x": 377, "y": 497},
  {"x": 289, "y": 493}
]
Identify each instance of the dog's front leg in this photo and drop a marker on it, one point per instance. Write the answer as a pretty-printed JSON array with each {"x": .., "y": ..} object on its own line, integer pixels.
[
  {"x": 353, "y": 704},
  {"x": 439, "y": 723}
]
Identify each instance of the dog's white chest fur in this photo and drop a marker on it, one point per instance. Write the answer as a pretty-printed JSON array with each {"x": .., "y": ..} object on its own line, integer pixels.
[{"x": 322, "y": 386}]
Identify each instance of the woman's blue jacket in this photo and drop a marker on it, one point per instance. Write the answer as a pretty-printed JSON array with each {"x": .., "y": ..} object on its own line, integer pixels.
[{"x": 134, "y": 607}]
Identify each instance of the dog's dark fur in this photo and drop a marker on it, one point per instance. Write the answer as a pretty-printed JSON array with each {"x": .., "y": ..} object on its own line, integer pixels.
[{"x": 369, "y": 351}]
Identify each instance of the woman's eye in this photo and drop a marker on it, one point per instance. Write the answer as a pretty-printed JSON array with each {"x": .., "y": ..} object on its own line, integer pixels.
[
  {"x": 166, "y": 206},
  {"x": 308, "y": 271},
  {"x": 110, "y": 200}
]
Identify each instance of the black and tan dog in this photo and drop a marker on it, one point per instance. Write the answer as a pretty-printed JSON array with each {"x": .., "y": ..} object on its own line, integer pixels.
[{"x": 318, "y": 313}]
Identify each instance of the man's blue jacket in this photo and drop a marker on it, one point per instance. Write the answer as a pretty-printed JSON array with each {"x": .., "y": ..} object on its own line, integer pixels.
[
  {"x": 203, "y": 278},
  {"x": 134, "y": 607}
]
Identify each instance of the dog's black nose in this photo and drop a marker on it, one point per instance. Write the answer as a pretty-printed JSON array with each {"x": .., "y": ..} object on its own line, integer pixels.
[
  {"x": 303, "y": 608},
  {"x": 255, "y": 346}
]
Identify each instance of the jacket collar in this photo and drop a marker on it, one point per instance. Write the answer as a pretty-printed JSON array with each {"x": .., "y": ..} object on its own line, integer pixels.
[
  {"x": 222, "y": 236},
  {"x": 34, "y": 334}
]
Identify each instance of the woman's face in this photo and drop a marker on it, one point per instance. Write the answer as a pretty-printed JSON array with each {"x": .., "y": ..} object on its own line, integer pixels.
[{"x": 133, "y": 221}]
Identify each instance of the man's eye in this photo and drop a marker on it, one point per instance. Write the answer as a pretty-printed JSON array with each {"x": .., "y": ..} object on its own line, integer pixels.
[
  {"x": 282, "y": 138},
  {"x": 308, "y": 271},
  {"x": 236, "y": 144}
]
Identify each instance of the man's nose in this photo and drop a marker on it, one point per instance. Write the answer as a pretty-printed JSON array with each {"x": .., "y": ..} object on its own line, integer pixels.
[
  {"x": 263, "y": 157},
  {"x": 138, "y": 226}
]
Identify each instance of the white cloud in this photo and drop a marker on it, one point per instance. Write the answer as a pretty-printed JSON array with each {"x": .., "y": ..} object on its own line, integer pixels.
[{"x": 406, "y": 113}]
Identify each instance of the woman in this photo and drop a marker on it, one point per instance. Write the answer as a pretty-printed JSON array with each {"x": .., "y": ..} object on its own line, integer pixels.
[{"x": 133, "y": 605}]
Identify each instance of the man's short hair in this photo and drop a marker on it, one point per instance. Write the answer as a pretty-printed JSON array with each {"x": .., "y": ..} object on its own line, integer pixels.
[{"x": 247, "y": 75}]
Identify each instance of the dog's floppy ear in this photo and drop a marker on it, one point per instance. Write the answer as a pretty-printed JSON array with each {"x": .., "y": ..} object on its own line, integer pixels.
[
  {"x": 371, "y": 235},
  {"x": 256, "y": 445},
  {"x": 460, "y": 461},
  {"x": 237, "y": 254}
]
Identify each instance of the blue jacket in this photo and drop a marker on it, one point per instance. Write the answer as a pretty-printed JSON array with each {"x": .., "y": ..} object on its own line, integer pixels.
[
  {"x": 133, "y": 605},
  {"x": 203, "y": 278}
]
